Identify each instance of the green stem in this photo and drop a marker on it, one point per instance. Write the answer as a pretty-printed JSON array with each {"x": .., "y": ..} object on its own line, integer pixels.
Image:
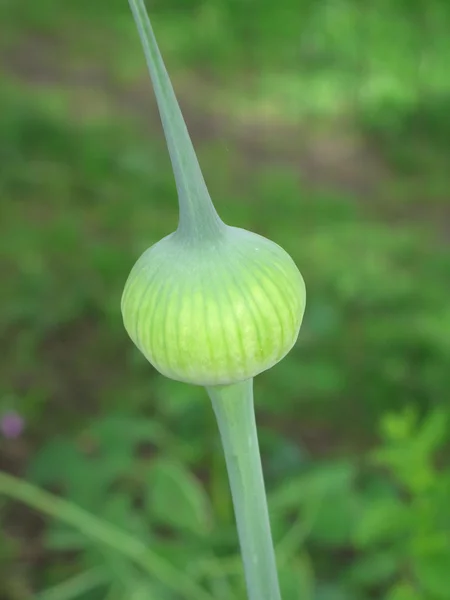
[
  {"x": 233, "y": 406},
  {"x": 96, "y": 529},
  {"x": 198, "y": 217}
]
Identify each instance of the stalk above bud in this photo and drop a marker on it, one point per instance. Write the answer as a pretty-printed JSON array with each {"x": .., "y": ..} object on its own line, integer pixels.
[{"x": 209, "y": 304}]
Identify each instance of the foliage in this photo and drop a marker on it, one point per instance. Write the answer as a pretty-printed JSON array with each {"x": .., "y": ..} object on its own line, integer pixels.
[
  {"x": 388, "y": 510},
  {"x": 86, "y": 185}
]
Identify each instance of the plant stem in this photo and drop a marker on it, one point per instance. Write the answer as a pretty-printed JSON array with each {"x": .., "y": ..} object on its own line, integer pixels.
[
  {"x": 198, "y": 217},
  {"x": 234, "y": 409}
]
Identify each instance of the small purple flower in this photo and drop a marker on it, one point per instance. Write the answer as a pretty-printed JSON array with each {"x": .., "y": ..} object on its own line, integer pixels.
[{"x": 11, "y": 425}]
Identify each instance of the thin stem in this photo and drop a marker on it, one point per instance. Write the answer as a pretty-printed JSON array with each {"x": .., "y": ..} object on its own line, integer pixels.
[
  {"x": 233, "y": 406},
  {"x": 96, "y": 529},
  {"x": 198, "y": 217}
]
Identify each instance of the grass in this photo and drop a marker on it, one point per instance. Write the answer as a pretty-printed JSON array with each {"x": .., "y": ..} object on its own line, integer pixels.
[
  {"x": 87, "y": 190},
  {"x": 338, "y": 155}
]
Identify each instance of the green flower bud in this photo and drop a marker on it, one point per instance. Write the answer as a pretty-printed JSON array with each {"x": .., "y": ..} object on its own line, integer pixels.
[
  {"x": 209, "y": 304},
  {"x": 216, "y": 312}
]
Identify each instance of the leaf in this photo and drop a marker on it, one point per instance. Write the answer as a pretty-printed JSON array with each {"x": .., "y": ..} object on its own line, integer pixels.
[
  {"x": 177, "y": 499},
  {"x": 399, "y": 427},
  {"x": 76, "y": 587},
  {"x": 432, "y": 434},
  {"x": 335, "y": 519},
  {"x": 325, "y": 499},
  {"x": 374, "y": 568},
  {"x": 433, "y": 573},
  {"x": 284, "y": 457},
  {"x": 142, "y": 591},
  {"x": 409, "y": 453},
  {"x": 119, "y": 509},
  {"x": 61, "y": 462},
  {"x": 333, "y": 592},
  {"x": 54, "y": 462},
  {"x": 404, "y": 591},
  {"x": 297, "y": 580},
  {"x": 316, "y": 484},
  {"x": 62, "y": 538},
  {"x": 383, "y": 520},
  {"x": 83, "y": 479},
  {"x": 124, "y": 432}
]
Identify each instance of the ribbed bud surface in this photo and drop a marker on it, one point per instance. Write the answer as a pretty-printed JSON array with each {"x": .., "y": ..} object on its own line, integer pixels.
[{"x": 217, "y": 312}]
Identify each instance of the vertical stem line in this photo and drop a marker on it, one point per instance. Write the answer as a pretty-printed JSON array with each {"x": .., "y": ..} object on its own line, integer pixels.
[
  {"x": 234, "y": 409},
  {"x": 198, "y": 217}
]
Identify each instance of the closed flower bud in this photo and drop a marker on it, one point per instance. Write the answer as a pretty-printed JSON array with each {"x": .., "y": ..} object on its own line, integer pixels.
[
  {"x": 215, "y": 312},
  {"x": 209, "y": 304}
]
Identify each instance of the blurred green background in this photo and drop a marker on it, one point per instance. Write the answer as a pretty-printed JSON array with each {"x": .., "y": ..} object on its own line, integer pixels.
[{"x": 323, "y": 125}]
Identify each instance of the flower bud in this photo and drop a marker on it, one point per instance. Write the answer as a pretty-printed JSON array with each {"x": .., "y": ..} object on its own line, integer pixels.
[
  {"x": 216, "y": 312},
  {"x": 209, "y": 304}
]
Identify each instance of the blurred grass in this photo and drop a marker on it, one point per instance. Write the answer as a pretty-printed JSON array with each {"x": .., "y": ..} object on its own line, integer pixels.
[
  {"x": 85, "y": 188},
  {"x": 324, "y": 127}
]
